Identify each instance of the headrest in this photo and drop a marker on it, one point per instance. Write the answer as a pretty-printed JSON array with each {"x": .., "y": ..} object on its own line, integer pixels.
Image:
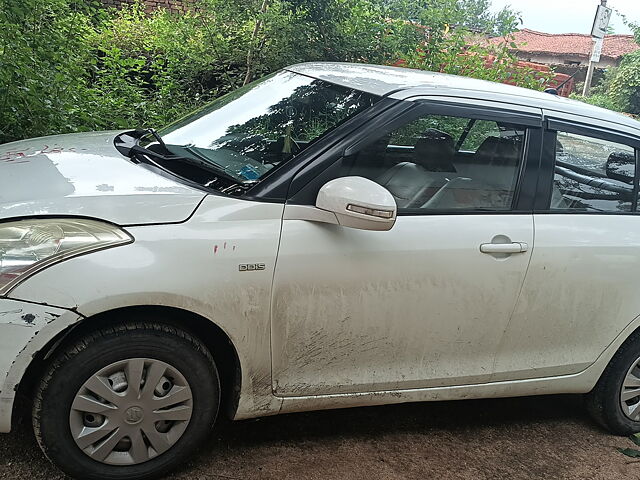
[
  {"x": 499, "y": 151},
  {"x": 621, "y": 166},
  {"x": 434, "y": 151}
]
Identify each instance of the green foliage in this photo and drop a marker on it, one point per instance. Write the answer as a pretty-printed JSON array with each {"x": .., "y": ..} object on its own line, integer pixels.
[
  {"x": 598, "y": 99},
  {"x": 631, "y": 452},
  {"x": 43, "y": 56},
  {"x": 68, "y": 65},
  {"x": 454, "y": 126},
  {"x": 478, "y": 17},
  {"x": 625, "y": 85},
  {"x": 470, "y": 15}
]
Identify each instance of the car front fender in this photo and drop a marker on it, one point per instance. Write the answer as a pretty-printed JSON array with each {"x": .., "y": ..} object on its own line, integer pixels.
[{"x": 25, "y": 329}]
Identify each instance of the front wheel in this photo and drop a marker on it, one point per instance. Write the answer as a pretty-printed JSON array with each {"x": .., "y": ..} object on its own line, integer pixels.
[
  {"x": 127, "y": 402},
  {"x": 615, "y": 401}
]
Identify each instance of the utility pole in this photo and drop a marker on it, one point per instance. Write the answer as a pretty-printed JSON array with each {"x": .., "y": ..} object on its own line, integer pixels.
[{"x": 598, "y": 31}]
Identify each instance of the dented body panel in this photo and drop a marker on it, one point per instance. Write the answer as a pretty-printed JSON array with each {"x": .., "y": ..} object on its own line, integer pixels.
[
  {"x": 25, "y": 328},
  {"x": 194, "y": 267}
]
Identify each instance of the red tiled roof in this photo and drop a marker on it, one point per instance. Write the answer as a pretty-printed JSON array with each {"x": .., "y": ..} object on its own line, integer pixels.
[{"x": 579, "y": 44}]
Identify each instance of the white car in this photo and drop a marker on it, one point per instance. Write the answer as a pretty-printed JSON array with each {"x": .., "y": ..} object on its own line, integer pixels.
[{"x": 333, "y": 235}]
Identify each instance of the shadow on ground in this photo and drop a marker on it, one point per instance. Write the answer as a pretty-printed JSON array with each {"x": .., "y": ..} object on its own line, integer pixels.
[{"x": 522, "y": 438}]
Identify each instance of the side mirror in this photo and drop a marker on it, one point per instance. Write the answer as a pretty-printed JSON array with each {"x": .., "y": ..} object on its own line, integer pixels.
[{"x": 358, "y": 203}]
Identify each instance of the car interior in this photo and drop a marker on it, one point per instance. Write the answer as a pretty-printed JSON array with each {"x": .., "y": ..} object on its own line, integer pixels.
[
  {"x": 435, "y": 173},
  {"x": 437, "y": 170},
  {"x": 584, "y": 183}
]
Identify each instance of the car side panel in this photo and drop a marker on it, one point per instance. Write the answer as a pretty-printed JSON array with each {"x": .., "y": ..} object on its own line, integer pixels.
[
  {"x": 578, "y": 383},
  {"x": 417, "y": 306},
  {"x": 193, "y": 266}
]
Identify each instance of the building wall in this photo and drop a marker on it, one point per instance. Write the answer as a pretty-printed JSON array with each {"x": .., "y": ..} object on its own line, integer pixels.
[
  {"x": 563, "y": 60},
  {"x": 177, "y": 6},
  {"x": 560, "y": 64}
]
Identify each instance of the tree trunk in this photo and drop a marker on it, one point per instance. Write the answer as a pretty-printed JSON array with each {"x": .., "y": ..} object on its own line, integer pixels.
[{"x": 253, "y": 47}]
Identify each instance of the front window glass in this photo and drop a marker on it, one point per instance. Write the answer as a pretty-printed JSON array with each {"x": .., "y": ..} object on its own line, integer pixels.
[
  {"x": 247, "y": 133},
  {"x": 438, "y": 163},
  {"x": 592, "y": 175}
]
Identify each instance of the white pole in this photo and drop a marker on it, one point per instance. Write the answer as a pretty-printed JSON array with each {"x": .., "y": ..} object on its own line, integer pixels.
[{"x": 592, "y": 65}]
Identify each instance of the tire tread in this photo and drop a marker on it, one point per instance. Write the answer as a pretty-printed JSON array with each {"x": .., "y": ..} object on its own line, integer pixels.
[{"x": 601, "y": 402}]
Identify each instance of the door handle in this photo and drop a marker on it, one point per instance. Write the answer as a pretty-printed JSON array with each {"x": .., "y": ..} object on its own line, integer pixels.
[{"x": 514, "y": 247}]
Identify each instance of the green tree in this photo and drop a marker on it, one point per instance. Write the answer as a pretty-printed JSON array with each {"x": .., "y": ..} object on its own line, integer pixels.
[
  {"x": 473, "y": 15},
  {"x": 478, "y": 17}
]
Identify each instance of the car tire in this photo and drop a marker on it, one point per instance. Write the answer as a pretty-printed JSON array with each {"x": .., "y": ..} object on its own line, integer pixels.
[
  {"x": 162, "y": 437},
  {"x": 605, "y": 402}
]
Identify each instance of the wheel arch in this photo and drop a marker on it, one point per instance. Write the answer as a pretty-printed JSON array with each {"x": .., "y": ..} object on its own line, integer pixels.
[
  {"x": 214, "y": 338},
  {"x": 596, "y": 370}
]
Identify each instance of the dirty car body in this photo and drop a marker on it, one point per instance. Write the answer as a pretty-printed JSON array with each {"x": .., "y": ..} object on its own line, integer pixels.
[{"x": 334, "y": 235}]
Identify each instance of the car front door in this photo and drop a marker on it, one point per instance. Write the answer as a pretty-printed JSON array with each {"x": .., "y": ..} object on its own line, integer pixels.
[{"x": 426, "y": 303}]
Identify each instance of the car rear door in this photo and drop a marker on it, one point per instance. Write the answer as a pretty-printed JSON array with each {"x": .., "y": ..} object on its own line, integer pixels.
[
  {"x": 426, "y": 303},
  {"x": 582, "y": 285}
]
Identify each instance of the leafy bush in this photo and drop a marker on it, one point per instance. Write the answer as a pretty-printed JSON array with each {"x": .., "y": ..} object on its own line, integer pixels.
[
  {"x": 598, "y": 99},
  {"x": 43, "y": 57},
  {"x": 67, "y": 65},
  {"x": 625, "y": 86}
]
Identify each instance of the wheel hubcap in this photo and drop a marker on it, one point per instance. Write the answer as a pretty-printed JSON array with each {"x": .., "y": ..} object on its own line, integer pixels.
[
  {"x": 630, "y": 392},
  {"x": 131, "y": 411}
]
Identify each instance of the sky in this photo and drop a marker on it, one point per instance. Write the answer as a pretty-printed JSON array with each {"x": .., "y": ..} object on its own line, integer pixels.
[{"x": 569, "y": 16}]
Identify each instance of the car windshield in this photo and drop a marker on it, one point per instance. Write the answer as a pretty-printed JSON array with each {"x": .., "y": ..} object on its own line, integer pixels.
[{"x": 247, "y": 133}]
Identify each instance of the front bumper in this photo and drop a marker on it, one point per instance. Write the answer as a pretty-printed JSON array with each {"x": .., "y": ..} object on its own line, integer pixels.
[{"x": 25, "y": 328}]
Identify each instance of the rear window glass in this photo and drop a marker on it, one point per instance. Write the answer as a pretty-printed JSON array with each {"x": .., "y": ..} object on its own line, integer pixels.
[{"x": 592, "y": 174}]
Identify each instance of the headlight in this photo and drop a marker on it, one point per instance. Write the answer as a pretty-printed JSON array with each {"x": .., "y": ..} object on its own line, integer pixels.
[{"x": 27, "y": 246}]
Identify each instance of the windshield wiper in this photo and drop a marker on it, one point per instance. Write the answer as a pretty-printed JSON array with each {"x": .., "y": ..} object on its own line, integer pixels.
[
  {"x": 156, "y": 135},
  {"x": 137, "y": 150}
]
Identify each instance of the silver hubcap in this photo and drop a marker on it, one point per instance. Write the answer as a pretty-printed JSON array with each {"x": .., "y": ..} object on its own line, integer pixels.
[
  {"x": 131, "y": 411},
  {"x": 630, "y": 392}
]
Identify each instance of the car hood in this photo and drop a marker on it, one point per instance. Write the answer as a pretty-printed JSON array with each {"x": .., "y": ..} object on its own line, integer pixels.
[{"x": 84, "y": 174}]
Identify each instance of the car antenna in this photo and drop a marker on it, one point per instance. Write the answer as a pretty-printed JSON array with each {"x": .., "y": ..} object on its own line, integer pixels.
[{"x": 556, "y": 90}]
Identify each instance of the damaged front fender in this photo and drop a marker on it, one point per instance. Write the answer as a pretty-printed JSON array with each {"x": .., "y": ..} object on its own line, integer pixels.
[{"x": 25, "y": 328}]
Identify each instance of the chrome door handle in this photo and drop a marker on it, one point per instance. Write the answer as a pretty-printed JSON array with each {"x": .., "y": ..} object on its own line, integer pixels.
[{"x": 515, "y": 247}]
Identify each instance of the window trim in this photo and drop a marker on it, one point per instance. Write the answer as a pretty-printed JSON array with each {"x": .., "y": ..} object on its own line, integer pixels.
[
  {"x": 553, "y": 125},
  {"x": 636, "y": 183},
  {"x": 556, "y": 124},
  {"x": 523, "y": 198}
]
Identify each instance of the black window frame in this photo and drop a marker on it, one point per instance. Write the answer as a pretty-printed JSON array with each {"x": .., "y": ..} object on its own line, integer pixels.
[
  {"x": 552, "y": 126},
  {"x": 304, "y": 187}
]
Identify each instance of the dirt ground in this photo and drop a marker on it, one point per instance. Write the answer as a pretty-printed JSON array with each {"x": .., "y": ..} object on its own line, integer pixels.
[{"x": 526, "y": 438}]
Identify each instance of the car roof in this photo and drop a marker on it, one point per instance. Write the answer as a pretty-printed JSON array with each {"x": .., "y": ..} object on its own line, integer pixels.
[{"x": 403, "y": 83}]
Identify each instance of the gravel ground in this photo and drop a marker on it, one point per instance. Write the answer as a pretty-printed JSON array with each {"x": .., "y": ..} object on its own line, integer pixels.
[{"x": 525, "y": 438}]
